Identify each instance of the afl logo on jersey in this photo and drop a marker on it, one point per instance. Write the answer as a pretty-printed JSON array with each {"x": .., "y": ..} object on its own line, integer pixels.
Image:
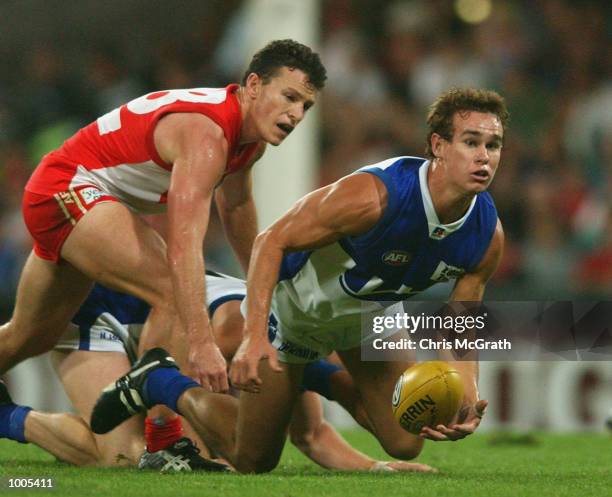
[{"x": 396, "y": 258}]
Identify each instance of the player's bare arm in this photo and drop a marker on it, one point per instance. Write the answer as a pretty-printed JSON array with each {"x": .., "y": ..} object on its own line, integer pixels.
[
  {"x": 197, "y": 149},
  {"x": 469, "y": 288},
  {"x": 351, "y": 206},
  {"x": 318, "y": 440},
  {"x": 234, "y": 199}
]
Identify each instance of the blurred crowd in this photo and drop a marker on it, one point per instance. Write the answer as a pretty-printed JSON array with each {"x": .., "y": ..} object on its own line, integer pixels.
[{"x": 386, "y": 60}]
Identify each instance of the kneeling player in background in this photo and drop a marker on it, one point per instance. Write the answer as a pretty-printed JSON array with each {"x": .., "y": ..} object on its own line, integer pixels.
[{"x": 99, "y": 345}]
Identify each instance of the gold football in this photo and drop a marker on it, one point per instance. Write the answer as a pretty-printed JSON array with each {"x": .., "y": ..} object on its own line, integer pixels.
[{"x": 427, "y": 394}]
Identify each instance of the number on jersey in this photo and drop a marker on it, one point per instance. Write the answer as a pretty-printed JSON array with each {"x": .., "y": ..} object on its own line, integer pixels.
[{"x": 151, "y": 102}]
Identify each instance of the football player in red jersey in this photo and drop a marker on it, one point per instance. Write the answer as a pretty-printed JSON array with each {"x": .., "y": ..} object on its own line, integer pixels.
[{"x": 173, "y": 149}]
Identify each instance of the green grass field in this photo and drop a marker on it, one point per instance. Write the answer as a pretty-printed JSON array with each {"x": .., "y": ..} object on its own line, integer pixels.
[{"x": 483, "y": 465}]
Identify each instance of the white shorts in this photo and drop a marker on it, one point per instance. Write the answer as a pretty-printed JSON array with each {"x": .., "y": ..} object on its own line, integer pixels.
[
  {"x": 300, "y": 340},
  {"x": 106, "y": 334},
  {"x": 297, "y": 345}
]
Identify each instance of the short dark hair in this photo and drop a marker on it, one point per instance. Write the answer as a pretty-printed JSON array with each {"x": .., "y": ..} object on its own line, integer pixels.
[
  {"x": 441, "y": 112},
  {"x": 287, "y": 53}
]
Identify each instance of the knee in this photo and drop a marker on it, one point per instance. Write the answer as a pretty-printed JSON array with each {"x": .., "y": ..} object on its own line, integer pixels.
[
  {"x": 40, "y": 344},
  {"x": 10, "y": 340},
  {"x": 23, "y": 344},
  {"x": 404, "y": 448},
  {"x": 250, "y": 463}
]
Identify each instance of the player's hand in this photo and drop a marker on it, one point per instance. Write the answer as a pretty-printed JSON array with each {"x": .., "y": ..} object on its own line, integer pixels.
[
  {"x": 207, "y": 366},
  {"x": 244, "y": 371},
  {"x": 465, "y": 423},
  {"x": 414, "y": 467}
]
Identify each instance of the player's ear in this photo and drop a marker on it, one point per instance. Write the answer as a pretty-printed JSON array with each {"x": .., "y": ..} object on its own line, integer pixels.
[
  {"x": 437, "y": 144},
  {"x": 253, "y": 85}
]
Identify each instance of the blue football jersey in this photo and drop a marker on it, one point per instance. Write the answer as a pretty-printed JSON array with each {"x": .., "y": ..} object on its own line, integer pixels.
[{"x": 406, "y": 252}]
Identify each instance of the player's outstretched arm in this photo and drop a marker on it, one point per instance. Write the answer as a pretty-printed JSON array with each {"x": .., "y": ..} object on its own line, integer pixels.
[
  {"x": 351, "y": 206},
  {"x": 197, "y": 149},
  {"x": 236, "y": 207},
  {"x": 319, "y": 441},
  {"x": 469, "y": 288}
]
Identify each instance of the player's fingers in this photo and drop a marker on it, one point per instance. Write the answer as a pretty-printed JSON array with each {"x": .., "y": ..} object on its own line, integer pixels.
[
  {"x": 205, "y": 383},
  {"x": 470, "y": 424},
  {"x": 465, "y": 429},
  {"x": 248, "y": 387},
  {"x": 450, "y": 432},
  {"x": 193, "y": 372},
  {"x": 403, "y": 466},
  {"x": 223, "y": 382},
  {"x": 253, "y": 388},
  {"x": 273, "y": 362},
  {"x": 253, "y": 373},
  {"x": 453, "y": 436},
  {"x": 235, "y": 373},
  {"x": 430, "y": 434},
  {"x": 221, "y": 379},
  {"x": 436, "y": 437},
  {"x": 457, "y": 431},
  {"x": 214, "y": 383},
  {"x": 239, "y": 375},
  {"x": 457, "y": 434}
]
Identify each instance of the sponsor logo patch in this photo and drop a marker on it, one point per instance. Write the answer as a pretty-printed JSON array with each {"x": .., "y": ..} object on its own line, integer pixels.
[
  {"x": 445, "y": 272},
  {"x": 438, "y": 233},
  {"x": 297, "y": 351},
  {"x": 90, "y": 194}
]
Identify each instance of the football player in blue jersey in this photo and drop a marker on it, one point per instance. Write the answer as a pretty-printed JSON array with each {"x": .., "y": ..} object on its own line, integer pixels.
[
  {"x": 334, "y": 256},
  {"x": 99, "y": 344}
]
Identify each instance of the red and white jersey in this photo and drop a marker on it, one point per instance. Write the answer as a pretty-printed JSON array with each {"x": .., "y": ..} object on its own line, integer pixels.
[{"x": 117, "y": 153}]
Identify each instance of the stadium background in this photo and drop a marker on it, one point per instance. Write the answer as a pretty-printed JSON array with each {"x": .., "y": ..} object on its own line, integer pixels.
[{"x": 62, "y": 64}]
